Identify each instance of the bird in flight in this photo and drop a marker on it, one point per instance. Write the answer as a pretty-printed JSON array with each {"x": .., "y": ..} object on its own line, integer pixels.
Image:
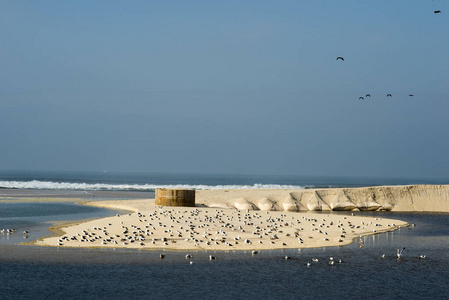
[
  {"x": 340, "y": 58},
  {"x": 367, "y": 95},
  {"x": 411, "y": 95},
  {"x": 361, "y": 98},
  {"x": 437, "y": 11},
  {"x": 388, "y": 95}
]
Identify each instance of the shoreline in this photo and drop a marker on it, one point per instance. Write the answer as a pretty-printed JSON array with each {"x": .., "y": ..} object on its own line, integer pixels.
[{"x": 150, "y": 227}]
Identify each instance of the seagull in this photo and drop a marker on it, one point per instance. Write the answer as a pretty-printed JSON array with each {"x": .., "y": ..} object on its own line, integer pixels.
[
  {"x": 367, "y": 95},
  {"x": 421, "y": 256},
  {"x": 361, "y": 98},
  {"x": 399, "y": 252},
  {"x": 437, "y": 11},
  {"x": 361, "y": 245},
  {"x": 388, "y": 95},
  {"x": 340, "y": 58},
  {"x": 411, "y": 95}
]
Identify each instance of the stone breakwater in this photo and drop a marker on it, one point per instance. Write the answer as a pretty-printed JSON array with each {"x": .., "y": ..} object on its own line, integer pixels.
[{"x": 420, "y": 198}]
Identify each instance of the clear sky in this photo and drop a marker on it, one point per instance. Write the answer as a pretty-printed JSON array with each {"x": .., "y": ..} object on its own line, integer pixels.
[{"x": 250, "y": 87}]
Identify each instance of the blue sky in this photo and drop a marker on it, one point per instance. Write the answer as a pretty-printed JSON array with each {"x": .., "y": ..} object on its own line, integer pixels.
[{"x": 249, "y": 87}]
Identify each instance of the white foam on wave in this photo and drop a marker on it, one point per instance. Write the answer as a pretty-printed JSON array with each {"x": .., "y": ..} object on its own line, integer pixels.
[{"x": 50, "y": 185}]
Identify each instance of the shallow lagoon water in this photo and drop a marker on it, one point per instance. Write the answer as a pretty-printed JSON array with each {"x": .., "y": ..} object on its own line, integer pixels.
[
  {"x": 36, "y": 210},
  {"x": 53, "y": 272},
  {"x": 38, "y": 217}
]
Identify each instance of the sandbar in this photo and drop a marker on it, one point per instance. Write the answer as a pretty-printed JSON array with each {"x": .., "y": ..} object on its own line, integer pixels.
[{"x": 151, "y": 227}]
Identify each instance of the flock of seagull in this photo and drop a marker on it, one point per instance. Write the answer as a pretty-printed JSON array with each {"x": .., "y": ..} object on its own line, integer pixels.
[
  {"x": 9, "y": 231},
  {"x": 369, "y": 95},
  {"x": 388, "y": 95},
  {"x": 331, "y": 261},
  {"x": 205, "y": 228},
  {"x": 211, "y": 230}
]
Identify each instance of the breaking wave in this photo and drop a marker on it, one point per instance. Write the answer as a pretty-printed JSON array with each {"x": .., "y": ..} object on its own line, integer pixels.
[{"x": 50, "y": 185}]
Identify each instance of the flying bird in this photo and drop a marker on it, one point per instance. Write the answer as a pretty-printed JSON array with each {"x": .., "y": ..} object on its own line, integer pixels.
[
  {"x": 367, "y": 95},
  {"x": 411, "y": 95},
  {"x": 437, "y": 11},
  {"x": 340, "y": 58},
  {"x": 361, "y": 98},
  {"x": 399, "y": 252},
  {"x": 388, "y": 95}
]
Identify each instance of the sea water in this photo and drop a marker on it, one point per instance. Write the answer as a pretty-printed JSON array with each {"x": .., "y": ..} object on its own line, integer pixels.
[
  {"x": 32, "y": 272},
  {"x": 119, "y": 181}
]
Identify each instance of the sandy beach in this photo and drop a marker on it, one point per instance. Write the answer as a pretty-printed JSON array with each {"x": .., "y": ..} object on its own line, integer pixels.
[{"x": 221, "y": 220}]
